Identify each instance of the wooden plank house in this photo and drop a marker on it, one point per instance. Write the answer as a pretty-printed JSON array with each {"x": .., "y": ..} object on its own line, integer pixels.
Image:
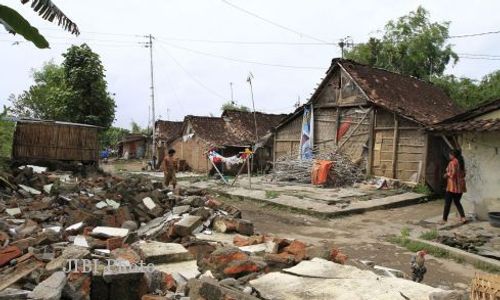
[{"x": 376, "y": 117}]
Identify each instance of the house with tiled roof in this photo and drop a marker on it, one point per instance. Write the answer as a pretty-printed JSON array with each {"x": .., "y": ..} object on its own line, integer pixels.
[
  {"x": 375, "y": 117},
  {"x": 230, "y": 134},
  {"x": 477, "y": 133}
]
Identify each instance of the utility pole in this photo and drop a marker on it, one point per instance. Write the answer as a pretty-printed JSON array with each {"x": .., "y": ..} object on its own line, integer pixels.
[
  {"x": 231, "y": 87},
  {"x": 249, "y": 80},
  {"x": 345, "y": 42},
  {"x": 153, "y": 120}
]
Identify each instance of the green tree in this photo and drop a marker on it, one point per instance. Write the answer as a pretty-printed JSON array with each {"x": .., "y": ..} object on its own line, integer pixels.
[
  {"x": 74, "y": 92},
  {"x": 47, "y": 98},
  {"x": 15, "y": 23},
  {"x": 90, "y": 103},
  {"x": 6, "y": 135},
  {"x": 111, "y": 136},
  {"x": 469, "y": 93},
  {"x": 411, "y": 45},
  {"x": 230, "y": 105}
]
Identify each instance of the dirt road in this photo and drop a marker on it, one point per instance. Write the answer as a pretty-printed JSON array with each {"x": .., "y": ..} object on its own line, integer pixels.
[{"x": 362, "y": 237}]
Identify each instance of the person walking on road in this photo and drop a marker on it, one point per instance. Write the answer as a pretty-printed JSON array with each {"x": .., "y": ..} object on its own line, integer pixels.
[
  {"x": 455, "y": 185},
  {"x": 169, "y": 165}
]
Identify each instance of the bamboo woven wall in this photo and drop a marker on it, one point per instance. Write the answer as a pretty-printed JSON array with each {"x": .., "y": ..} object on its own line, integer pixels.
[
  {"x": 406, "y": 159},
  {"x": 55, "y": 141}
]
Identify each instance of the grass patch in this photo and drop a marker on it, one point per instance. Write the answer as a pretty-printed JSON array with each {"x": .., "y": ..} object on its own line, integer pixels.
[
  {"x": 430, "y": 235},
  {"x": 422, "y": 189},
  {"x": 272, "y": 194},
  {"x": 403, "y": 240}
]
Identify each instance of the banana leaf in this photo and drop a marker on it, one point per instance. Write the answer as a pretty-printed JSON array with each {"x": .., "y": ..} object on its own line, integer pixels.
[{"x": 14, "y": 22}]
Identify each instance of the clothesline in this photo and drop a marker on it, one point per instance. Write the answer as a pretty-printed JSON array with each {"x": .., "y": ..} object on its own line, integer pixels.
[{"x": 238, "y": 159}]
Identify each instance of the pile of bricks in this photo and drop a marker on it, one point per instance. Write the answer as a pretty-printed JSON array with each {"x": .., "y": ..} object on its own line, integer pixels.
[{"x": 108, "y": 237}]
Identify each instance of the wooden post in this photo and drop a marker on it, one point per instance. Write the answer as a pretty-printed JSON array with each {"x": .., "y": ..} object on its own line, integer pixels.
[
  {"x": 371, "y": 142},
  {"x": 337, "y": 125},
  {"x": 220, "y": 174},
  {"x": 354, "y": 129},
  {"x": 422, "y": 176},
  {"x": 239, "y": 172},
  {"x": 395, "y": 147},
  {"x": 249, "y": 174}
]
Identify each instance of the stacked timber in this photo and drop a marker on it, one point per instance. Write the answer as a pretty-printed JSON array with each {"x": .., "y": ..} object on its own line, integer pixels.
[{"x": 292, "y": 168}]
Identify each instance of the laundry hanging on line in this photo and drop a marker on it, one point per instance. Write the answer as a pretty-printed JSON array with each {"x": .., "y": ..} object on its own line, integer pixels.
[{"x": 238, "y": 159}]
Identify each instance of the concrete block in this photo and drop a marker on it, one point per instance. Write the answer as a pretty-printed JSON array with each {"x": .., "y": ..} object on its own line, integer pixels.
[
  {"x": 182, "y": 209},
  {"x": 51, "y": 288},
  {"x": 104, "y": 231},
  {"x": 157, "y": 252},
  {"x": 186, "y": 225}
]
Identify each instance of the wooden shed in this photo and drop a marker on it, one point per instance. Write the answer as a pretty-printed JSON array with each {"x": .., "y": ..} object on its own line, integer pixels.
[
  {"x": 376, "y": 117},
  {"x": 38, "y": 140}
]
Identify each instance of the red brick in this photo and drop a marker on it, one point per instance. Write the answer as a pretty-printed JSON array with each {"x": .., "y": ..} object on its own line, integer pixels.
[
  {"x": 9, "y": 253},
  {"x": 169, "y": 282},
  {"x": 298, "y": 249},
  {"x": 126, "y": 254},
  {"x": 152, "y": 297},
  {"x": 213, "y": 203},
  {"x": 241, "y": 267},
  {"x": 122, "y": 215},
  {"x": 87, "y": 230},
  {"x": 337, "y": 256},
  {"x": 110, "y": 220},
  {"x": 283, "y": 259},
  {"x": 114, "y": 243}
]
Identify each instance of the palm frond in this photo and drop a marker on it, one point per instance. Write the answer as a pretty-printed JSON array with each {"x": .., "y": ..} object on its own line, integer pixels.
[{"x": 50, "y": 12}]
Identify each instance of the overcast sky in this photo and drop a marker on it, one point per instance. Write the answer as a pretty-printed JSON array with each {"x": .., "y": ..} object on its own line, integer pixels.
[{"x": 193, "y": 76}]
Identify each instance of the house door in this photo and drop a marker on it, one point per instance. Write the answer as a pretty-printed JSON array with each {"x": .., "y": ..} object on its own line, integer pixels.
[{"x": 437, "y": 160}]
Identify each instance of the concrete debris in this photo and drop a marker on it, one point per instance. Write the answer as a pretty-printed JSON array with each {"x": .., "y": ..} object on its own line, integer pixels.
[
  {"x": 157, "y": 253},
  {"x": 103, "y": 231},
  {"x": 51, "y": 288},
  {"x": 106, "y": 232}
]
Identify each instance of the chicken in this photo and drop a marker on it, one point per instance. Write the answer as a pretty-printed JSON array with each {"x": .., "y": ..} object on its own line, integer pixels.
[{"x": 418, "y": 268}]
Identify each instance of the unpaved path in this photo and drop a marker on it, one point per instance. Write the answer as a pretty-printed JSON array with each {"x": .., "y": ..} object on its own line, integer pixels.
[{"x": 362, "y": 236}]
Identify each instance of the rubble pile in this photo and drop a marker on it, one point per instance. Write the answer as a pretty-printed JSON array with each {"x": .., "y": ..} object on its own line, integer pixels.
[
  {"x": 108, "y": 237},
  {"x": 292, "y": 168}
]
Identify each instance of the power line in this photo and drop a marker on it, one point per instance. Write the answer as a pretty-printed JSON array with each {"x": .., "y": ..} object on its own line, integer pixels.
[
  {"x": 274, "y": 23},
  {"x": 190, "y": 75},
  {"x": 479, "y": 55},
  {"x": 473, "y": 34},
  {"x": 239, "y": 60},
  {"x": 479, "y": 58},
  {"x": 239, "y": 42}
]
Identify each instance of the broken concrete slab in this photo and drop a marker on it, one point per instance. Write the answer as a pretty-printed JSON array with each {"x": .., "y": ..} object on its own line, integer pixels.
[
  {"x": 29, "y": 189},
  {"x": 157, "y": 252},
  {"x": 181, "y": 209},
  {"x": 14, "y": 294},
  {"x": 51, "y": 288},
  {"x": 48, "y": 188},
  {"x": 322, "y": 268},
  {"x": 209, "y": 289},
  {"x": 106, "y": 232},
  {"x": 13, "y": 211},
  {"x": 322, "y": 279},
  {"x": 187, "y": 225},
  {"x": 149, "y": 203},
  {"x": 188, "y": 269},
  {"x": 71, "y": 252}
]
